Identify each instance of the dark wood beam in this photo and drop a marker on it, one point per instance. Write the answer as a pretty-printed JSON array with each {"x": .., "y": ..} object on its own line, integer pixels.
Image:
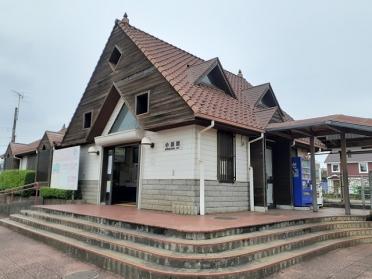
[{"x": 301, "y": 132}]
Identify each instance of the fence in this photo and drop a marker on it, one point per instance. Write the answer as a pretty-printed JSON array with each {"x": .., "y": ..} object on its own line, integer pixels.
[
  {"x": 359, "y": 190},
  {"x": 20, "y": 193}
]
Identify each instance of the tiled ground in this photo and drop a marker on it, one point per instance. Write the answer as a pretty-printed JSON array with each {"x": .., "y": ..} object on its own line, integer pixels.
[
  {"x": 348, "y": 263},
  {"x": 24, "y": 258},
  {"x": 196, "y": 223}
]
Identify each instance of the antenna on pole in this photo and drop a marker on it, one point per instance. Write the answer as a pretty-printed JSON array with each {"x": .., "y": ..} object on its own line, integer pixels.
[{"x": 16, "y": 112}]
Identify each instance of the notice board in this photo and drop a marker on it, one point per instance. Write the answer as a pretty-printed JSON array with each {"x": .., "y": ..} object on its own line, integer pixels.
[{"x": 65, "y": 168}]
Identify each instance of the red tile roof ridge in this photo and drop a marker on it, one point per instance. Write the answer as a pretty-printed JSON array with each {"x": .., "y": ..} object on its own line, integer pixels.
[
  {"x": 173, "y": 68},
  {"x": 122, "y": 25}
]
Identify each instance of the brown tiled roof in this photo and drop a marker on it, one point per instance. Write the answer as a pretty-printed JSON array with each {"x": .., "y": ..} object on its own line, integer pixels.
[
  {"x": 254, "y": 93},
  {"x": 265, "y": 115},
  {"x": 17, "y": 147},
  {"x": 55, "y": 138},
  {"x": 21, "y": 149},
  {"x": 336, "y": 118},
  {"x": 205, "y": 101}
]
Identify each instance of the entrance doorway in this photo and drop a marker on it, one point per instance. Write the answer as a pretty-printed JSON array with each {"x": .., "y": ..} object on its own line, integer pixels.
[
  {"x": 269, "y": 177},
  {"x": 120, "y": 175}
]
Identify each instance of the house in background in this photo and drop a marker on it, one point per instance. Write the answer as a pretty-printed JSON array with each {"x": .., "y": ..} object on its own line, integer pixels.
[
  {"x": 162, "y": 129},
  {"x": 17, "y": 155},
  {"x": 27, "y": 156},
  {"x": 36, "y": 156},
  {"x": 359, "y": 166},
  {"x": 47, "y": 144}
]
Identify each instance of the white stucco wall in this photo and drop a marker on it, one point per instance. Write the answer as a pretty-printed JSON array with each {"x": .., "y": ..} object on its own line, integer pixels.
[
  {"x": 159, "y": 163},
  {"x": 90, "y": 164},
  {"x": 209, "y": 155},
  {"x": 182, "y": 163},
  {"x": 23, "y": 163}
]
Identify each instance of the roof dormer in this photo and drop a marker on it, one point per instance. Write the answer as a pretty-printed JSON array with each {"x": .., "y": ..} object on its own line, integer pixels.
[{"x": 211, "y": 73}]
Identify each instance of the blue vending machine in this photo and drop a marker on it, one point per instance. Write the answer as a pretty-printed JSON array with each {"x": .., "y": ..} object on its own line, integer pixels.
[{"x": 302, "y": 193}]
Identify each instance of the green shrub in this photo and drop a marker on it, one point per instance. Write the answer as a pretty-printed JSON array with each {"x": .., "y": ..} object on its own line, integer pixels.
[
  {"x": 53, "y": 193},
  {"x": 15, "y": 178}
]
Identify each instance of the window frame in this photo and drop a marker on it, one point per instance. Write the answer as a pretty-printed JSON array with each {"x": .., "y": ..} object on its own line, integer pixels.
[
  {"x": 338, "y": 167},
  {"x": 227, "y": 177},
  {"x": 91, "y": 119},
  {"x": 359, "y": 164},
  {"x": 148, "y": 102},
  {"x": 112, "y": 65}
]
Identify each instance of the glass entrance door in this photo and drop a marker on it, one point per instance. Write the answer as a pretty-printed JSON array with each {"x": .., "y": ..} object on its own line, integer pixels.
[{"x": 121, "y": 171}]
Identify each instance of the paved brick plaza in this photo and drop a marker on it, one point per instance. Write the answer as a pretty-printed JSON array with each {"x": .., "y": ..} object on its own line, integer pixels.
[
  {"x": 348, "y": 263},
  {"x": 24, "y": 258}
]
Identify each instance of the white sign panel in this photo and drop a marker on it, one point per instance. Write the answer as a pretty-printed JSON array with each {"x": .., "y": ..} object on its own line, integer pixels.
[{"x": 65, "y": 168}]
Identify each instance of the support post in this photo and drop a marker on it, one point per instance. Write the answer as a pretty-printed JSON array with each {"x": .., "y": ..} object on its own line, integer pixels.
[
  {"x": 313, "y": 173},
  {"x": 345, "y": 176},
  {"x": 362, "y": 192}
]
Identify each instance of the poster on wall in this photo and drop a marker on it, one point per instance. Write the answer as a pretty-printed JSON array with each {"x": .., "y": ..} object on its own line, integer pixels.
[{"x": 65, "y": 168}]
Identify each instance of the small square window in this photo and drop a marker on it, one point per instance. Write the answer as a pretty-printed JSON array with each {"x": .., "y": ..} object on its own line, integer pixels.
[
  {"x": 142, "y": 103},
  {"x": 335, "y": 167},
  {"x": 115, "y": 57},
  {"x": 87, "y": 120},
  {"x": 363, "y": 167}
]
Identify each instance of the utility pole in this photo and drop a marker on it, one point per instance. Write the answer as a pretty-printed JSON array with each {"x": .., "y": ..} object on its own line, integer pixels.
[{"x": 16, "y": 112}]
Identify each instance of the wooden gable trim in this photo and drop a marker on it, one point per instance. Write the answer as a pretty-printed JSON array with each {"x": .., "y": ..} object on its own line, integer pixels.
[
  {"x": 44, "y": 141},
  {"x": 104, "y": 114}
]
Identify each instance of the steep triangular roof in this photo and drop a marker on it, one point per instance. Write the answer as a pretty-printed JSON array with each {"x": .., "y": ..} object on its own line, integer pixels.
[
  {"x": 254, "y": 93},
  {"x": 55, "y": 138},
  {"x": 205, "y": 101}
]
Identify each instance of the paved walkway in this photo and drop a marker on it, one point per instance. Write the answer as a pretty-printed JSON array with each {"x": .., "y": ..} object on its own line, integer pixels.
[
  {"x": 187, "y": 223},
  {"x": 24, "y": 258},
  {"x": 347, "y": 263}
]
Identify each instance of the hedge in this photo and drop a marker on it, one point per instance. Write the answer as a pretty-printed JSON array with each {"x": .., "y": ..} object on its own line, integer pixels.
[
  {"x": 15, "y": 178},
  {"x": 53, "y": 193}
]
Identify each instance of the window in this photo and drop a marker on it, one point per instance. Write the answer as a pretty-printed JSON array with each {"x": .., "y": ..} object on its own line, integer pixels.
[
  {"x": 142, "y": 103},
  {"x": 216, "y": 78},
  {"x": 225, "y": 157},
  {"x": 115, "y": 57},
  {"x": 87, "y": 120},
  {"x": 124, "y": 121},
  {"x": 335, "y": 167},
  {"x": 363, "y": 167},
  {"x": 268, "y": 100}
]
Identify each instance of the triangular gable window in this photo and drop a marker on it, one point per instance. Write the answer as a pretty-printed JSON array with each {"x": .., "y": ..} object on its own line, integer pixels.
[
  {"x": 124, "y": 121},
  {"x": 268, "y": 100},
  {"x": 216, "y": 77}
]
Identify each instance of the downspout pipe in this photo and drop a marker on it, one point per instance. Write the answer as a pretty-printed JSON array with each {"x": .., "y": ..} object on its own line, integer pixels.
[
  {"x": 250, "y": 171},
  {"x": 201, "y": 170}
]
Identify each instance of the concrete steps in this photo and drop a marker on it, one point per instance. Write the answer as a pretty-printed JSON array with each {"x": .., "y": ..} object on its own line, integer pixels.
[{"x": 143, "y": 254}]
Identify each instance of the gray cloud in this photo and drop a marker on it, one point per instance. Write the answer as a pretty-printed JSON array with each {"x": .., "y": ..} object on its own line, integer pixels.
[{"x": 316, "y": 54}]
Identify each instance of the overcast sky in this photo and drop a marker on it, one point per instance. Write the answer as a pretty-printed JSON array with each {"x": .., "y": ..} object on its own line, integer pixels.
[{"x": 316, "y": 54}]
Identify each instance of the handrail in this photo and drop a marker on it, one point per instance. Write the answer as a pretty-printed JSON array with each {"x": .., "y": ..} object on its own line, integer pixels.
[
  {"x": 20, "y": 188},
  {"x": 13, "y": 191}
]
